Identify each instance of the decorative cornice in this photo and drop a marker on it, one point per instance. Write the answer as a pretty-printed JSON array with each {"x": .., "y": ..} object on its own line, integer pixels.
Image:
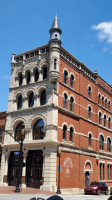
[{"x": 87, "y": 152}]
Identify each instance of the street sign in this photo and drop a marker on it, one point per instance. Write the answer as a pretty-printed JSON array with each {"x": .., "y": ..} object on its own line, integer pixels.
[{"x": 17, "y": 153}]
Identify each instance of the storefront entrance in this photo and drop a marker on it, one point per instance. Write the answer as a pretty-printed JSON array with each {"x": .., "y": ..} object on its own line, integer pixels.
[
  {"x": 13, "y": 168},
  {"x": 34, "y": 168}
]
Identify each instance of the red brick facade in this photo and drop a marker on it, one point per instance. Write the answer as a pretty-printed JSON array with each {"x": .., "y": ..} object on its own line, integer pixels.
[
  {"x": 2, "y": 128},
  {"x": 82, "y": 155}
]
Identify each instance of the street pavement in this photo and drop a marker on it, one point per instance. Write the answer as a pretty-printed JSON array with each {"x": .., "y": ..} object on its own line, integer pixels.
[{"x": 65, "y": 197}]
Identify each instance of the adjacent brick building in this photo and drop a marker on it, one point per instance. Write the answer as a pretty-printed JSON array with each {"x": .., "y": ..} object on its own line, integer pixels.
[
  {"x": 66, "y": 111},
  {"x": 2, "y": 128}
]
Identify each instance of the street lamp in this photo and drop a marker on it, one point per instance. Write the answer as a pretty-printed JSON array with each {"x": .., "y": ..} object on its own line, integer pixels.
[
  {"x": 18, "y": 183},
  {"x": 58, "y": 190},
  {"x": 20, "y": 162}
]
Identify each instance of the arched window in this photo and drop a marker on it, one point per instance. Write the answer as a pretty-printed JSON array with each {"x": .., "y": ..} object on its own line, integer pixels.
[
  {"x": 71, "y": 134},
  {"x": 99, "y": 96},
  {"x": 109, "y": 121},
  {"x": 31, "y": 100},
  {"x": 38, "y": 130},
  {"x": 64, "y": 132},
  {"x": 43, "y": 97},
  {"x": 18, "y": 131},
  {"x": 105, "y": 103},
  {"x": 101, "y": 143},
  {"x": 20, "y": 78},
  {"x": 19, "y": 102},
  {"x": 65, "y": 101},
  {"x": 108, "y": 144},
  {"x": 109, "y": 105},
  {"x": 102, "y": 101},
  {"x": 89, "y": 92},
  {"x": 28, "y": 77},
  {"x": 89, "y": 139},
  {"x": 44, "y": 73},
  {"x": 71, "y": 81},
  {"x": 89, "y": 112},
  {"x": 36, "y": 74},
  {"x": 71, "y": 103},
  {"x": 104, "y": 120},
  {"x": 65, "y": 76},
  {"x": 99, "y": 117},
  {"x": 55, "y": 63}
]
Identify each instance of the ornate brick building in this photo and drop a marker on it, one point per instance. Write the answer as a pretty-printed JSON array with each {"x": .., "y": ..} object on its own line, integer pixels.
[{"x": 64, "y": 107}]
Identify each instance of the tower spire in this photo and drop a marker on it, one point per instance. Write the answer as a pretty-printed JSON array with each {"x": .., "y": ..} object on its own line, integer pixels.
[{"x": 55, "y": 30}]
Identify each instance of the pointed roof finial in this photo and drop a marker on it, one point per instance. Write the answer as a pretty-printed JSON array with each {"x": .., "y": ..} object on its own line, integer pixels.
[{"x": 55, "y": 25}]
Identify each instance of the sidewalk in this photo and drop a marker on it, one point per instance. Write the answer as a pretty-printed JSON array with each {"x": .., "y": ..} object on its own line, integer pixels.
[{"x": 11, "y": 190}]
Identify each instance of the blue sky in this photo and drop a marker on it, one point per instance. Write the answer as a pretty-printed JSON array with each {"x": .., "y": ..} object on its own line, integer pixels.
[{"x": 86, "y": 33}]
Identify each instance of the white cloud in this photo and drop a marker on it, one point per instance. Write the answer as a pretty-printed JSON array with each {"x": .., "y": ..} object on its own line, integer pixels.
[{"x": 104, "y": 31}]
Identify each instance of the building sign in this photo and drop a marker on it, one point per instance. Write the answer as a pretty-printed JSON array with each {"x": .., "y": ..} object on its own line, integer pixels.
[{"x": 67, "y": 165}]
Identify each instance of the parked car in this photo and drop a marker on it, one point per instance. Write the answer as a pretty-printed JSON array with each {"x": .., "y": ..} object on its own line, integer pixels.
[{"x": 96, "y": 188}]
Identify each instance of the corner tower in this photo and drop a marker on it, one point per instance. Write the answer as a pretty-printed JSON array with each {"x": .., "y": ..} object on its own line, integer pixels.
[{"x": 54, "y": 47}]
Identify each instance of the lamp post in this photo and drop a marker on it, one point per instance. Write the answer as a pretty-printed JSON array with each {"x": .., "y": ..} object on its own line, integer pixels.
[
  {"x": 58, "y": 190},
  {"x": 20, "y": 164},
  {"x": 18, "y": 183}
]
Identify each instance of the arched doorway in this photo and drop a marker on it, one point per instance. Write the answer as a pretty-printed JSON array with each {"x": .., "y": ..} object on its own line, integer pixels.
[
  {"x": 34, "y": 168},
  {"x": 88, "y": 169}
]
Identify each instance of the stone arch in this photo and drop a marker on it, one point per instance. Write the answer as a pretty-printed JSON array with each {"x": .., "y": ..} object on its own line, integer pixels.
[
  {"x": 88, "y": 166},
  {"x": 35, "y": 118},
  {"x": 17, "y": 121}
]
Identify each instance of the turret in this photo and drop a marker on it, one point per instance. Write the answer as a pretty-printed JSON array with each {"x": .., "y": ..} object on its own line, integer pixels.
[
  {"x": 55, "y": 31},
  {"x": 54, "y": 47}
]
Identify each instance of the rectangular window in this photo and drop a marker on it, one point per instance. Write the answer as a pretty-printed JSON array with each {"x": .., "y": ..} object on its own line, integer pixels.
[
  {"x": 109, "y": 171},
  {"x": 102, "y": 171}
]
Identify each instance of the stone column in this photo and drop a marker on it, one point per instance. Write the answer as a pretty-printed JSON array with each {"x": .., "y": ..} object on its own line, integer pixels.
[
  {"x": 24, "y": 172},
  {"x": 40, "y": 75},
  {"x": 6, "y": 170},
  {"x": 24, "y": 79},
  {"x": 35, "y": 99},
  {"x": 32, "y": 77},
  {"x": 2, "y": 168},
  {"x": 50, "y": 160}
]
